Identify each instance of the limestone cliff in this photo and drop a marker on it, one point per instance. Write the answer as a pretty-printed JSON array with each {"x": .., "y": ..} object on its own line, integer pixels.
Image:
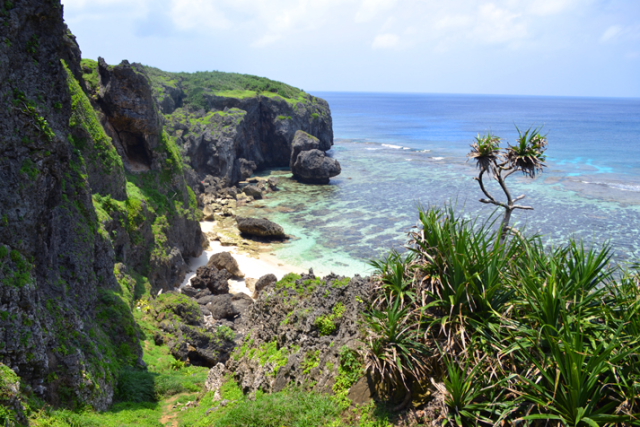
[
  {"x": 229, "y": 125},
  {"x": 56, "y": 268},
  {"x": 80, "y": 234}
]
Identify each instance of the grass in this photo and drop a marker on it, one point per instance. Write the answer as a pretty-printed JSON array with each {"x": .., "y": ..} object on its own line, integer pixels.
[{"x": 201, "y": 85}]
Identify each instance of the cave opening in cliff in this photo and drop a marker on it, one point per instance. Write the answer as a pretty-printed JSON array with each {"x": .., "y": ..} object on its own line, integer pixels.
[{"x": 135, "y": 150}]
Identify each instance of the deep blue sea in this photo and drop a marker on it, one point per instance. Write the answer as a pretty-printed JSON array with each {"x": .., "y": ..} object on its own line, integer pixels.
[{"x": 402, "y": 151}]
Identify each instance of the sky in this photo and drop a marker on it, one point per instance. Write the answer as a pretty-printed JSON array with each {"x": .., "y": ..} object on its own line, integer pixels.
[{"x": 513, "y": 47}]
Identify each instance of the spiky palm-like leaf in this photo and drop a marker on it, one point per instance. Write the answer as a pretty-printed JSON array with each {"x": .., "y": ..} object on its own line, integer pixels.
[
  {"x": 527, "y": 155},
  {"x": 486, "y": 151}
]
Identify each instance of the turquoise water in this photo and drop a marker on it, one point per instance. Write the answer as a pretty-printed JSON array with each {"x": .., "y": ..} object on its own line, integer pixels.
[{"x": 402, "y": 151}]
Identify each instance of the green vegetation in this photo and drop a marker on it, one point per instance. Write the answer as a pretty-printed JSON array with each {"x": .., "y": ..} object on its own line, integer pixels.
[
  {"x": 98, "y": 148},
  {"x": 327, "y": 324},
  {"x": 90, "y": 74},
  {"x": 15, "y": 269},
  {"x": 514, "y": 332},
  {"x": 350, "y": 371},
  {"x": 33, "y": 113},
  {"x": 292, "y": 408},
  {"x": 311, "y": 361},
  {"x": 201, "y": 85}
]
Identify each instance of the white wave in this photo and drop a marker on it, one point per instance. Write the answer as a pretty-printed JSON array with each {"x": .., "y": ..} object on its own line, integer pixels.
[
  {"x": 438, "y": 158},
  {"x": 617, "y": 186},
  {"x": 395, "y": 147}
]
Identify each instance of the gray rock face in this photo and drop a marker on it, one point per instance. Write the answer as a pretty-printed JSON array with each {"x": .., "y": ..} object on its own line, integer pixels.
[
  {"x": 315, "y": 167},
  {"x": 132, "y": 113},
  {"x": 315, "y": 322},
  {"x": 263, "y": 283},
  {"x": 221, "y": 307},
  {"x": 224, "y": 260},
  {"x": 260, "y": 227},
  {"x": 132, "y": 119},
  {"x": 237, "y": 136},
  {"x": 56, "y": 269},
  {"x": 217, "y": 281}
]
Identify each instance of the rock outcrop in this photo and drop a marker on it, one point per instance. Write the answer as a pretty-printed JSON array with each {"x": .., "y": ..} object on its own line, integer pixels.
[
  {"x": 309, "y": 162},
  {"x": 260, "y": 227},
  {"x": 226, "y": 261},
  {"x": 230, "y": 136},
  {"x": 184, "y": 329},
  {"x": 306, "y": 325},
  {"x": 209, "y": 277},
  {"x": 132, "y": 117}
]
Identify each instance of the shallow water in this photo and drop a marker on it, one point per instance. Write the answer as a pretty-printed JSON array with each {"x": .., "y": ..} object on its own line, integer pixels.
[{"x": 407, "y": 151}]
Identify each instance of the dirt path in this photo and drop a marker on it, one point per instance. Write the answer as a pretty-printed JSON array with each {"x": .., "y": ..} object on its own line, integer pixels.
[{"x": 169, "y": 413}]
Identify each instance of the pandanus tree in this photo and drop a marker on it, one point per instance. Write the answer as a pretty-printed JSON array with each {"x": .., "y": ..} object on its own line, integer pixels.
[{"x": 526, "y": 156}]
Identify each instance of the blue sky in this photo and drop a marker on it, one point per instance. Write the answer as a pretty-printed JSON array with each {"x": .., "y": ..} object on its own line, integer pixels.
[{"x": 518, "y": 47}]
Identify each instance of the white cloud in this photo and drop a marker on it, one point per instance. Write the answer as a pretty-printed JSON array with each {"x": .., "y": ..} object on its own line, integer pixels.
[
  {"x": 617, "y": 33},
  {"x": 550, "y": 7},
  {"x": 385, "y": 41},
  {"x": 498, "y": 25},
  {"x": 370, "y": 8},
  {"x": 81, "y": 4},
  {"x": 198, "y": 14}
]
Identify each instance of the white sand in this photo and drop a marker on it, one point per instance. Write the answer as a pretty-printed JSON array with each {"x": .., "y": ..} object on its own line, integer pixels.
[{"x": 253, "y": 268}]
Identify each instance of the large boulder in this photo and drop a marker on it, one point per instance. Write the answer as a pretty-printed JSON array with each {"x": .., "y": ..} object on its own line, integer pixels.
[
  {"x": 253, "y": 191},
  {"x": 226, "y": 261},
  {"x": 303, "y": 141},
  {"x": 315, "y": 167},
  {"x": 221, "y": 307},
  {"x": 260, "y": 227},
  {"x": 217, "y": 281}
]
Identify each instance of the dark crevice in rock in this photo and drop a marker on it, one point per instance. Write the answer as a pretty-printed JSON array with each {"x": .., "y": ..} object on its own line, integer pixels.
[{"x": 137, "y": 154}]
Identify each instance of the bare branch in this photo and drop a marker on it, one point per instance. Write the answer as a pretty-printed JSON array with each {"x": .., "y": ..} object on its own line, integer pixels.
[
  {"x": 527, "y": 208},
  {"x": 484, "y": 190},
  {"x": 495, "y": 202}
]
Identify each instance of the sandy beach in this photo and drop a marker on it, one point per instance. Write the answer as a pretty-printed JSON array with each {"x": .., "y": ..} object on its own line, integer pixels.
[{"x": 253, "y": 267}]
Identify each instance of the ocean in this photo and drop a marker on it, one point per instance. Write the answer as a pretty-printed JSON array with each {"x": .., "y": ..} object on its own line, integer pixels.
[{"x": 401, "y": 152}]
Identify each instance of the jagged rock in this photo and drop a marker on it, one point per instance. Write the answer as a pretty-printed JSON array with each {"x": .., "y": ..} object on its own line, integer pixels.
[
  {"x": 260, "y": 227},
  {"x": 315, "y": 167},
  {"x": 131, "y": 112},
  {"x": 264, "y": 282},
  {"x": 205, "y": 299},
  {"x": 169, "y": 270},
  {"x": 202, "y": 293},
  {"x": 246, "y": 168},
  {"x": 215, "y": 379},
  {"x": 217, "y": 281},
  {"x": 224, "y": 260},
  {"x": 222, "y": 308},
  {"x": 310, "y": 319},
  {"x": 273, "y": 183},
  {"x": 253, "y": 191},
  {"x": 241, "y": 302},
  {"x": 208, "y": 213},
  {"x": 200, "y": 348},
  {"x": 189, "y": 291}
]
